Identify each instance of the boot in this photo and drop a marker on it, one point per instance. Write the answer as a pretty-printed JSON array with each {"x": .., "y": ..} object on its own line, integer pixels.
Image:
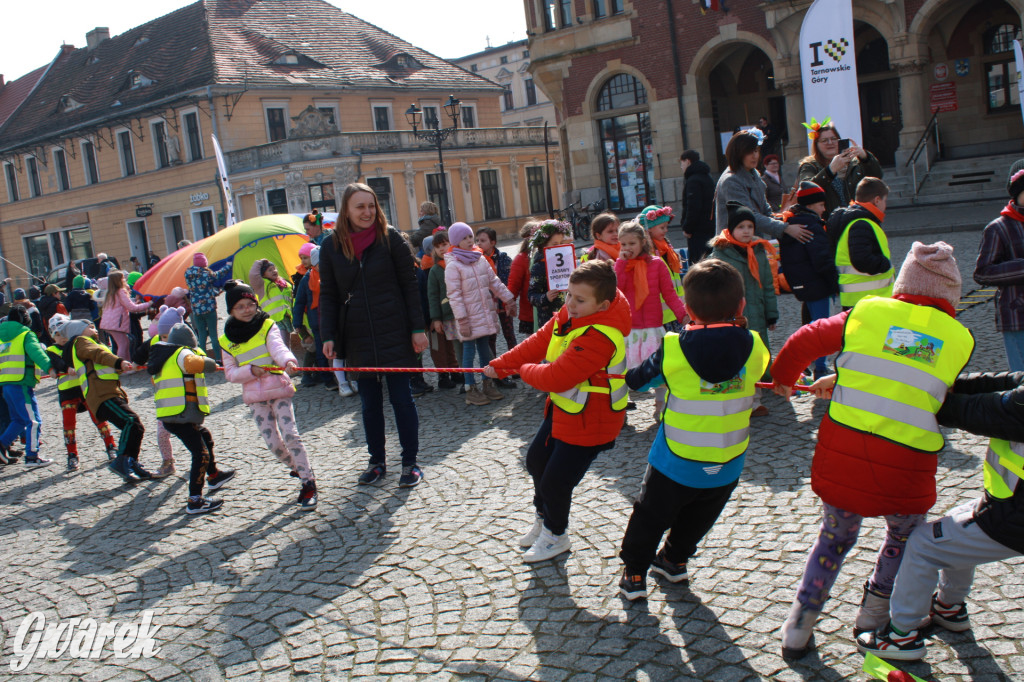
[
  {"x": 798, "y": 631},
  {"x": 475, "y": 397},
  {"x": 873, "y": 613},
  {"x": 490, "y": 391}
]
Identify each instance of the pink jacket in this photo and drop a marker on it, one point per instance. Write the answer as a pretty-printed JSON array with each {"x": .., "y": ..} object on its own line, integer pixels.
[
  {"x": 659, "y": 285},
  {"x": 469, "y": 293},
  {"x": 269, "y": 386},
  {"x": 115, "y": 317}
]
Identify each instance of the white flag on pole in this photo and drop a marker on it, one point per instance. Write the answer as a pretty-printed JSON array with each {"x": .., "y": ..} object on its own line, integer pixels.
[
  {"x": 828, "y": 67},
  {"x": 222, "y": 170},
  {"x": 1019, "y": 66}
]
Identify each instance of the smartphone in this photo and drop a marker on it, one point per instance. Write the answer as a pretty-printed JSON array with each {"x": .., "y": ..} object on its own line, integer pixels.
[{"x": 844, "y": 144}]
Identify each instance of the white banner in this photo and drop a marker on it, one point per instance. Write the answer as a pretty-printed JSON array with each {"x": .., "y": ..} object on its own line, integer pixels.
[
  {"x": 231, "y": 218},
  {"x": 1019, "y": 59},
  {"x": 828, "y": 67}
]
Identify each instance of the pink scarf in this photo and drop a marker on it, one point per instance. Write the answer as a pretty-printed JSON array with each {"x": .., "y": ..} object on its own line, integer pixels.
[{"x": 362, "y": 240}]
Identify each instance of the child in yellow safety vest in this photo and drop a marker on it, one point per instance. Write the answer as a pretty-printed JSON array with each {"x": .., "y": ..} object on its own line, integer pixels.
[
  {"x": 275, "y": 293},
  {"x": 99, "y": 368},
  {"x": 250, "y": 342},
  {"x": 70, "y": 397},
  {"x": 695, "y": 462},
  {"x": 20, "y": 354},
  {"x": 178, "y": 369}
]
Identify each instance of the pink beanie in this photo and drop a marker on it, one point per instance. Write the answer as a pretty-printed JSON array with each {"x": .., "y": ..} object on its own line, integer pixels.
[
  {"x": 930, "y": 270},
  {"x": 199, "y": 258},
  {"x": 306, "y": 249},
  {"x": 168, "y": 318}
]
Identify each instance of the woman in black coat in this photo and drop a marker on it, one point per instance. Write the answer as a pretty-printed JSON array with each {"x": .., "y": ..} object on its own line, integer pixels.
[{"x": 370, "y": 316}]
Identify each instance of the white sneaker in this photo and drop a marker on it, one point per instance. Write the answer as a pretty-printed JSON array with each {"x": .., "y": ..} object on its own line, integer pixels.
[
  {"x": 547, "y": 546},
  {"x": 531, "y": 536},
  {"x": 344, "y": 390},
  {"x": 354, "y": 386}
]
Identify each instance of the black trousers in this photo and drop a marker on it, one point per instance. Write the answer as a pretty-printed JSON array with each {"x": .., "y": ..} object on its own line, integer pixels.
[
  {"x": 117, "y": 412},
  {"x": 697, "y": 246},
  {"x": 687, "y": 513},
  {"x": 557, "y": 468},
  {"x": 199, "y": 441}
]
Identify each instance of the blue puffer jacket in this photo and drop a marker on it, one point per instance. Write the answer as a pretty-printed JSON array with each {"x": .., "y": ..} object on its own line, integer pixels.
[{"x": 810, "y": 268}]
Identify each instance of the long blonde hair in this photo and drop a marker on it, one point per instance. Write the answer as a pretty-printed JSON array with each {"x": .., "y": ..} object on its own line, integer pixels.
[
  {"x": 115, "y": 281},
  {"x": 343, "y": 230},
  {"x": 634, "y": 228}
]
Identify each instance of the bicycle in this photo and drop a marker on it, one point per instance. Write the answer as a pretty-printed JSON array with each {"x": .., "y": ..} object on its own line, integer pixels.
[{"x": 580, "y": 220}]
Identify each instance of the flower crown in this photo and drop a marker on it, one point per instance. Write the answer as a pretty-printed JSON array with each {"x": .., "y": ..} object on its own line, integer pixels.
[
  {"x": 814, "y": 127},
  {"x": 546, "y": 230},
  {"x": 649, "y": 217},
  {"x": 315, "y": 218}
]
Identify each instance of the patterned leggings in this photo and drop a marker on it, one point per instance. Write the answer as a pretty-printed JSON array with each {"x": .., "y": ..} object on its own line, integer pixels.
[
  {"x": 69, "y": 410},
  {"x": 838, "y": 535},
  {"x": 276, "y": 421}
]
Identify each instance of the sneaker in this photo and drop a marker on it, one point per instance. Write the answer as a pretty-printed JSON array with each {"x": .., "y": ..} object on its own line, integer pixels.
[
  {"x": 674, "y": 573},
  {"x": 373, "y": 474},
  {"x": 72, "y": 462},
  {"x": 38, "y": 461},
  {"x": 166, "y": 469},
  {"x": 137, "y": 469},
  {"x": 411, "y": 477},
  {"x": 217, "y": 481},
  {"x": 632, "y": 585},
  {"x": 953, "y": 618},
  {"x": 419, "y": 387},
  {"x": 474, "y": 396},
  {"x": 354, "y": 386},
  {"x": 344, "y": 390},
  {"x": 119, "y": 465},
  {"x": 531, "y": 535},
  {"x": 5, "y": 458},
  {"x": 307, "y": 496},
  {"x": 890, "y": 644},
  {"x": 204, "y": 505},
  {"x": 547, "y": 546},
  {"x": 111, "y": 453}
]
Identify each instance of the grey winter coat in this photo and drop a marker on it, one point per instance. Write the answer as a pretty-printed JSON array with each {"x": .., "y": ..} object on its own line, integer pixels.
[{"x": 748, "y": 188}]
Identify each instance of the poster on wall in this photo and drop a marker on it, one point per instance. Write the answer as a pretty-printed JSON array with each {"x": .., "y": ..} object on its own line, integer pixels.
[{"x": 828, "y": 67}]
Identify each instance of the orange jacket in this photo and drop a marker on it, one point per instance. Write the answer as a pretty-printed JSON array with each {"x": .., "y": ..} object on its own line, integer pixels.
[{"x": 590, "y": 353}]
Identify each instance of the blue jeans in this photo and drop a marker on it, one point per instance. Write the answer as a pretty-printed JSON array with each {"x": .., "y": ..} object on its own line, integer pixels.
[
  {"x": 24, "y": 413},
  {"x": 1014, "y": 342},
  {"x": 470, "y": 349},
  {"x": 371, "y": 393},
  {"x": 818, "y": 310},
  {"x": 206, "y": 326}
]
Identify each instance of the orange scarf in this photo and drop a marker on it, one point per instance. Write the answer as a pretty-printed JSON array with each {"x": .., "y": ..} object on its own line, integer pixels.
[
  {"x": 666, "y": 251},
  {"x": 751, "y": 256},
  {"x": 611, "y": 250},
  {"x": 314, "y": 287},
  {"x": 491, "y": 261},
  {"x": 638, "y": 266},
  {"x": 426, "y": 262}
]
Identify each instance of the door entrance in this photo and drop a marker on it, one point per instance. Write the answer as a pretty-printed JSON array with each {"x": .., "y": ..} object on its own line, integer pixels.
[
  {"x": 138, "y": 240},
  {"x": 880, "y": 118}
]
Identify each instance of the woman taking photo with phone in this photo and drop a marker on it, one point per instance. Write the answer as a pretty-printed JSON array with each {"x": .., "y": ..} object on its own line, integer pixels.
[{"x": 836, "y": 165}]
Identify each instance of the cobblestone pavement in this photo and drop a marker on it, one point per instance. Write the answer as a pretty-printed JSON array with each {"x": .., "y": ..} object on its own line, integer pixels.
[{"x": 427, "y": 583}]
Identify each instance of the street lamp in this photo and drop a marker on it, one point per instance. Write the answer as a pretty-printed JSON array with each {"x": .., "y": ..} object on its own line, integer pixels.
[{"x": 436, "y": 136}]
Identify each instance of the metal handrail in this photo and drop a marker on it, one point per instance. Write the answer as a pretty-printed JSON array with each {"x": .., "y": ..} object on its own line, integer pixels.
[{"x": 922, "y": 147}]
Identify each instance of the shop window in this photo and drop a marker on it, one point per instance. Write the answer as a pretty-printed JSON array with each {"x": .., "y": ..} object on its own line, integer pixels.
[
  {"x": 491, "y": 194},
  {"x": 79, "y": 242},
  {"x": 535, "y": 189},
  {"x": 37, "y": 252}
]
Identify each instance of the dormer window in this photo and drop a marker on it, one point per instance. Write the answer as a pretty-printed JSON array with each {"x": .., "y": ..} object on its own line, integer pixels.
[
  {"x": 402, "y": 61},
  {"x": 93, "y": 60},
  {"x": 141, "y": 41},
  {"x": 137, "y": 80},
  {"x": 287, "y": 59},
  {"x": 68, "y": 103}
]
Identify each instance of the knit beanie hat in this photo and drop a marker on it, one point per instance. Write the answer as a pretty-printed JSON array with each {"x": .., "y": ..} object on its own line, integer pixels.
[
  {"x": 459, "y": 231},
  {"x": 738, "y": 213},
  {"x": 428, "y": 244},
  {"x": 809, "y": 193},
  {"x": 235, "y": 291},
  {"x": 133, "y": 277},
  {"x": 73, "y": 328},
  {"x": 78, "y": 282},
  {"x": 19, "y": 295},
  {"x": 1015, "y": 183},
  {"x": 55, "y": 322},
  {"x": 182, "y": 335},
  {"x": 33, "y": 293},
  {"x": 20, "y": 315},
  {"x": 168, "y": 318},
  {"x": 199, "y": 259},
  {"x": 652, "y": 216},
  {"x": 314, "y": 256},
  {"x": 305, "y": 249},
  {"x": 930, "y": 270}
]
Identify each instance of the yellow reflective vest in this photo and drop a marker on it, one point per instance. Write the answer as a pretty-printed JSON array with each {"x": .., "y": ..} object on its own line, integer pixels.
[
  {"x": 13, "y": 359},
  {"x": 854, "y": 284},
  {"x": 707, "y": 422},
  {"x": 101, "y": 371},
  {"x": 253, "y": 351},
  {"x": 277, "y": 302},
  {"x": 575, "y": 399},
  {"x": 897, "y": 362},
  {"x": 170, "y": 390},
  {"x": 68, "y": 380},
  {"x": 1004, "y": 468}
]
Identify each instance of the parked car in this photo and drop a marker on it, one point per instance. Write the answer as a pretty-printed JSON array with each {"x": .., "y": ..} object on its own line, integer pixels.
[{"x": 87, "y": 266}]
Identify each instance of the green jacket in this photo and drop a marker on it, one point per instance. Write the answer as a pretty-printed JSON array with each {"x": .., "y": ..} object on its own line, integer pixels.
[
  {"x": 437, "y": 295},
  {"x": 34, "y": 351},
  {"x": 762, "y": 307}
]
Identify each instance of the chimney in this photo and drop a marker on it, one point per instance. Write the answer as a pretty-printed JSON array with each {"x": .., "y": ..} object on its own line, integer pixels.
[
  {"x": 1, "y": 80},
  {"x": 96, "y": 36},
  {"x": 67, "y": 49}
]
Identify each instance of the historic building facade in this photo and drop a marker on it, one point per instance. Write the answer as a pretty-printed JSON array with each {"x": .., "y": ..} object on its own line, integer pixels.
[
  {"x": 522, "y": 102},
  {"x": 111, "y": 149},
  {"x": 638, "y": 81}
]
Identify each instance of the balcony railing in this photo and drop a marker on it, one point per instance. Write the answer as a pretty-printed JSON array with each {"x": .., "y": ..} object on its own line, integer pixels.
[{"x": 384, "y": 142}]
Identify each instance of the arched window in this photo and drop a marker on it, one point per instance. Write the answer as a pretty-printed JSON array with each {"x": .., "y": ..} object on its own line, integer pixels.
[
  {"x": 626, "y": 144},
  {"x": 1001, "y": 74},
  {"x": 1000, "y": 38}
]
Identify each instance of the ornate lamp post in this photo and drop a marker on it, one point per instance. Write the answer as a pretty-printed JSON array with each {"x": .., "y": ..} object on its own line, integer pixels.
[{"x": 436, "y": 136}]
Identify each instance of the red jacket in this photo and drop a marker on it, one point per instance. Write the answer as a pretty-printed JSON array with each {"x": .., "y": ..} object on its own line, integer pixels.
[
  {"x": 519, "y": 285},
  {"x": 855, "y": 471},
  {"x": 589, "y": 353}
]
